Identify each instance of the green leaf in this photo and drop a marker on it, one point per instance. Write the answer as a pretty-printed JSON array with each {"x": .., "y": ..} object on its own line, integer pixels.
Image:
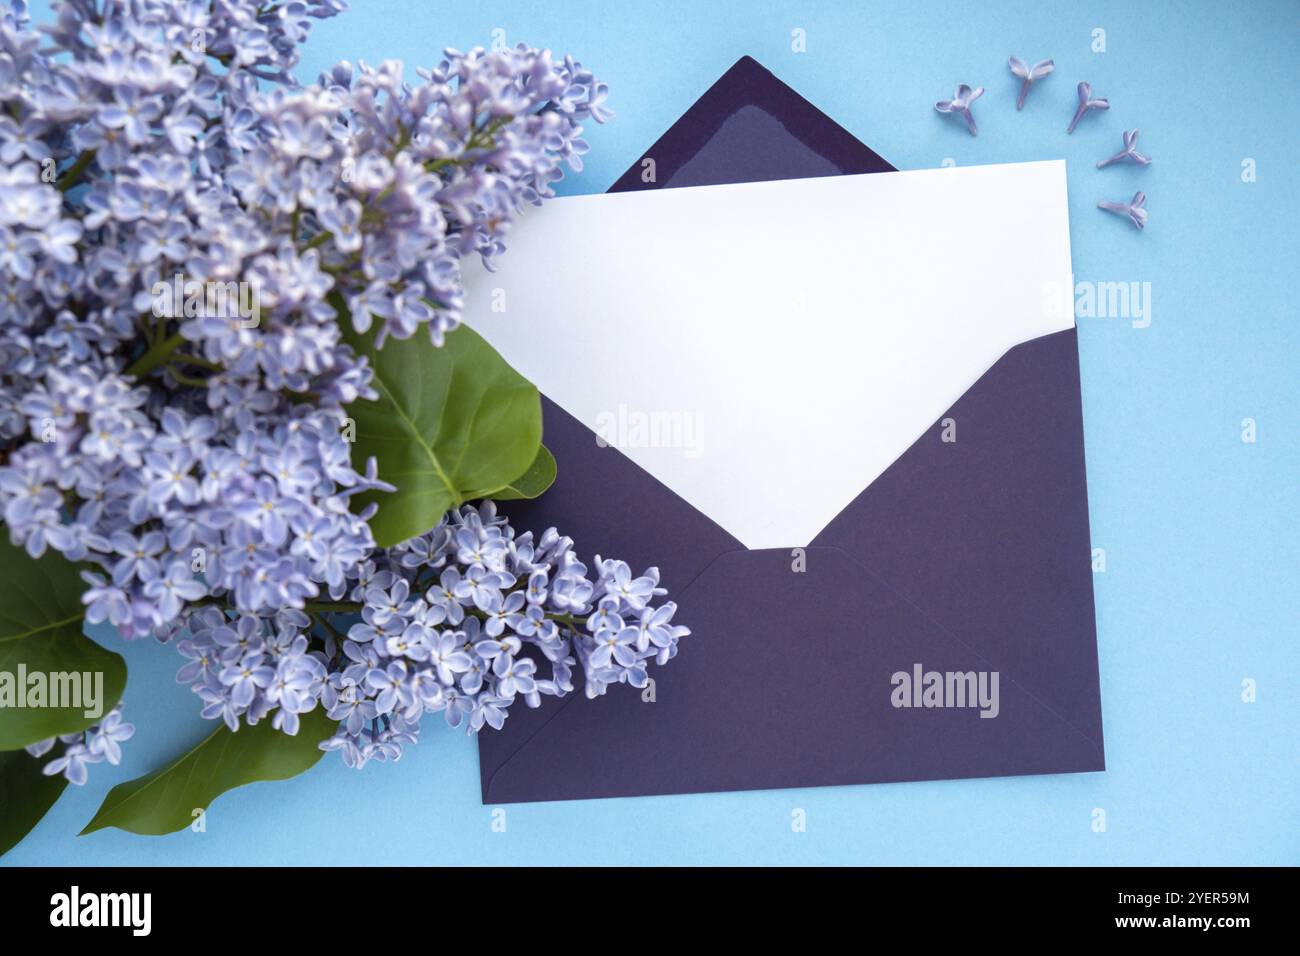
[
  {"x": 25, "y": 795},
  {"x": 164, "y": 801},
  {"x": 41, "y": 618},
  {"x": 451, "y": 424},
  {"x": 539, "y": 476}
]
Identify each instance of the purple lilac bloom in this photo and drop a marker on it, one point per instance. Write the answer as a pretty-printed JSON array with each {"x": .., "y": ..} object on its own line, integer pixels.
[
  {"x": 393, "y": 651},
  {"x": 191, "y": 447},
  {"x": 175, "y": 164}
]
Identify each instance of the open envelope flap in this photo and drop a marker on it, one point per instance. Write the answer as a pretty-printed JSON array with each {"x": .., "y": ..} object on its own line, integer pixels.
[
  {"x": 749, "y": 127},
  {"x": 787, "y": 680}
]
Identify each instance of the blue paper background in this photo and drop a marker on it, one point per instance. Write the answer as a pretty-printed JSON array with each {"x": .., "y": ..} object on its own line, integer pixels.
[{"x": 1200, "y": 528}]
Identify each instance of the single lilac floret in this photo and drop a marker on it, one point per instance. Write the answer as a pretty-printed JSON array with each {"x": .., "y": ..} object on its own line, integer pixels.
[
  {"x": 1135, "y": 209},
  {"x": 1129, "y": 153},
  {"x": 1029, "y": 75},
  {"x": 1086, "y": 104},
  {"x": 960, "y": 104}
]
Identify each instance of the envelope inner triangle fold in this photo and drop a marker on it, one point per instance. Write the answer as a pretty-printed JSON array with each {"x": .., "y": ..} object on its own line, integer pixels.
[{"x": 767, "y": 350}]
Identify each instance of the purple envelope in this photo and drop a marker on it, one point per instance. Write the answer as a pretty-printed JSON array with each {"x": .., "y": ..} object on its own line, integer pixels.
[{"x": 828, "y": 664}]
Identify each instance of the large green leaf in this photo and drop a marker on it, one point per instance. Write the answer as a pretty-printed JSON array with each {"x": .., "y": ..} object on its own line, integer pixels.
[
  {"x": 539, "y": 476},
  {"x": 165, "y": 801},
  {"x": 41, "y": 619},
  {"x": 451, "y": 424},
  {"x": 25, "y": 795}
]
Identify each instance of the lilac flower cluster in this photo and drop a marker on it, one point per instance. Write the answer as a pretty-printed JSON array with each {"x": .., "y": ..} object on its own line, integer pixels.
[
  {"x": 193, "y": 451},
  {"x": 183, "y": 466},
  {"x": 170, "y": 158},
  {"x": 101, "y": 742},
  {"x": 180, "y": 506},
  {"x": 455, "y": 621}
]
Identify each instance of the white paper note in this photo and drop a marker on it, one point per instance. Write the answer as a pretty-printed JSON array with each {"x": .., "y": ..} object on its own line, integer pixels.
[{"x": 768, "y": 349}]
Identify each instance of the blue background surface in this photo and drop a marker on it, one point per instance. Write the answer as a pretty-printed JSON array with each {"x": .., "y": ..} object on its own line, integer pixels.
[{"x": 1200, "y": 529}]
